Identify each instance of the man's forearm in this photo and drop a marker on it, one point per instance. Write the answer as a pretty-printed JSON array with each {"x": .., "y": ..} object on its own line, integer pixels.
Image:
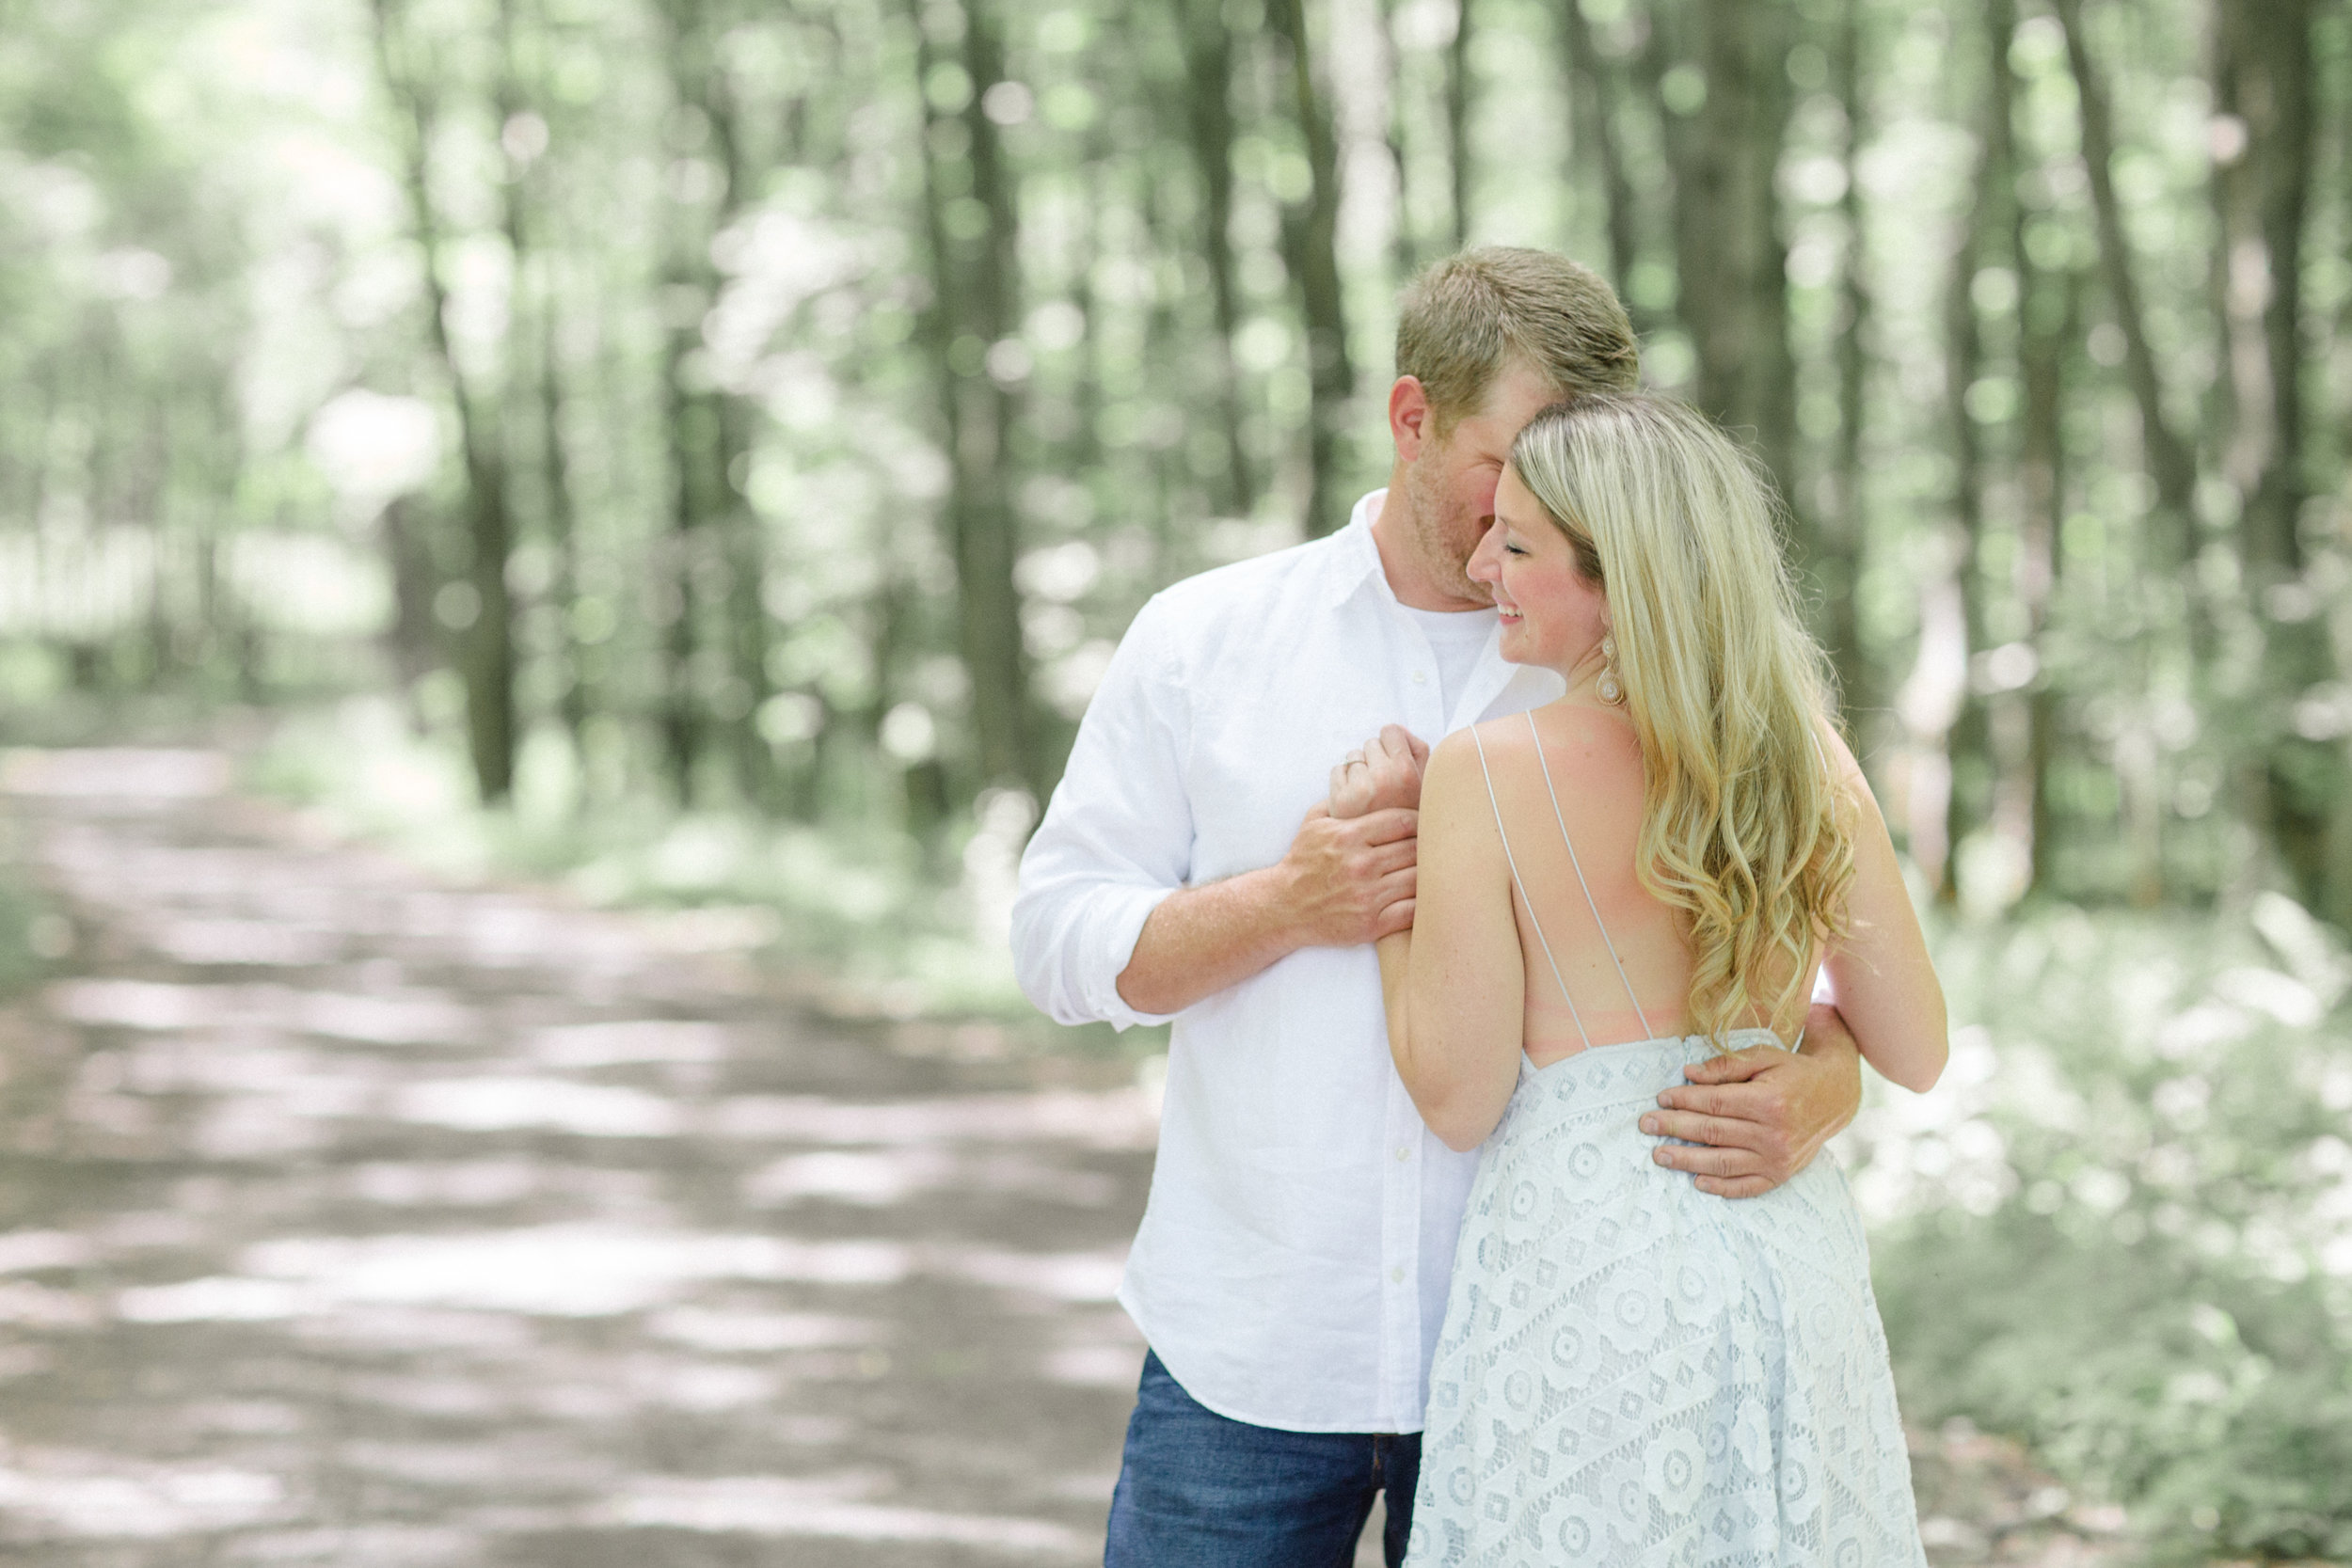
[
  {"x": 1829, "y": 1042},
  {"x": 1201, "y": 940}
]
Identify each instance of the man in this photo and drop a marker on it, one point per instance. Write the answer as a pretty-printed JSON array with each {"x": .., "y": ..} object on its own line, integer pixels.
[{"x": 1291, "y": 1271}]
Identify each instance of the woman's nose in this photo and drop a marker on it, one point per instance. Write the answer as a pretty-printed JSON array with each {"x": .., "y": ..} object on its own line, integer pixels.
[{"x": 1485, "y": 558}]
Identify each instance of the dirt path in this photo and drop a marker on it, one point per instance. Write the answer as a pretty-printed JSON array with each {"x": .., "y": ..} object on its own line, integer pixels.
[{"x": 350, "y": 1217}]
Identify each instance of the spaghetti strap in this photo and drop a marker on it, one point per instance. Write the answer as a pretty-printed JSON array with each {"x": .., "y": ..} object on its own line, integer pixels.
[
  {"x": 1579, "y": 865},
  {"x": 1513, "y": 862}
]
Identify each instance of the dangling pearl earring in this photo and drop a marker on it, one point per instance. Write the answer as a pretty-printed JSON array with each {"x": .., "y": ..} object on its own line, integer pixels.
[{"x": 1609, "y": 689}]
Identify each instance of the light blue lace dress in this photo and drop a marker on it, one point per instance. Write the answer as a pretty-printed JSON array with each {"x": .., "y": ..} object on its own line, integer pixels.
[{"x": 1634, "y": 1372}]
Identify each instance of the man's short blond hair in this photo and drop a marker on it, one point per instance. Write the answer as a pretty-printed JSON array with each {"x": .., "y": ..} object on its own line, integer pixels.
[{"x": 1466, "y": 318}]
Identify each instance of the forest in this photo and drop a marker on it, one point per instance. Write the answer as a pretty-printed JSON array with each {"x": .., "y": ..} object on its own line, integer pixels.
[{"x": 708, "y": 450}]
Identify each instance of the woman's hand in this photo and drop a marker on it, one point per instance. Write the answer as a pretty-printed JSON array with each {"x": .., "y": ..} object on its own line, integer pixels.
[{"x": 1382, "y": 774}]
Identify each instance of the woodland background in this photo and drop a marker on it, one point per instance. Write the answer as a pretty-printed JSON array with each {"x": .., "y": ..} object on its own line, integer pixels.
[{"x": 707, "y": 450}]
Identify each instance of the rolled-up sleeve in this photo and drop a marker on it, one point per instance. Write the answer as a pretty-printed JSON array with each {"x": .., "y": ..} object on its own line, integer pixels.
[{"x": 1117, "y": 837}]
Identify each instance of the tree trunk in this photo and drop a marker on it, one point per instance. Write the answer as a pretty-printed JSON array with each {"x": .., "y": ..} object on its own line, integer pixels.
[
  {"x": 2168, "y": 464},
  {"x": 2016, "y": 716},
  {"x": 2263, "y": 71},
  {"x": 2265, "y": 60},
  {"x": 1457, "y": 114},
  {"x": 686, "y": 418},
  {"x": 976, "y": 285},
  {"x": 487, "y": 648},
  {"x": 414, "y": 637},
  {"x": 2050, "y": 318},
  {"x": 563, "y": 512},
  {"x": 1310, "y": 230},
  {"x": 1593, "y": 108},
  {"x": 1964, "y": 742},
  {"x": 151, "y": 510},
  {"x": 1208, "y": 62},
  {"x": 1844, "y": 532},
  {"x": 1403, "y": 256},
  {"x": 743, "y": 537},
  {"x": 1730, "y": 258},
  {"x": 718, "y": 645},
  {"x": 527, "y": 178},
  {"x": 534, "y": 180}
]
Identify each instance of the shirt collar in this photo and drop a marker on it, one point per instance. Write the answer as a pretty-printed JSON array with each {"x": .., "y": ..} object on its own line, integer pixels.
[
  {"x": 1357, "y": 570},
  {"x": 1357, "y": 558}
]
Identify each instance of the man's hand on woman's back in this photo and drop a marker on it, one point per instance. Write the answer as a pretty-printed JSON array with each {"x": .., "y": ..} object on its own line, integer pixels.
[{"x": 1752, "y": 1119}]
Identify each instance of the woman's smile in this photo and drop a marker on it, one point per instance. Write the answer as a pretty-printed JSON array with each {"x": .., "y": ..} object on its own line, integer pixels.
[{"x": 1551, "y": 614}]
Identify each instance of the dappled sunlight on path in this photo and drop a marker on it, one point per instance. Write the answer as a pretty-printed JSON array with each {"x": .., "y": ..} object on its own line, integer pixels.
[{"x": 355, "y": 1218}]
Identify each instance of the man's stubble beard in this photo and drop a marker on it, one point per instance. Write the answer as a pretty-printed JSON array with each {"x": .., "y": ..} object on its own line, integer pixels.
[{"x": 1433, "y": 540}]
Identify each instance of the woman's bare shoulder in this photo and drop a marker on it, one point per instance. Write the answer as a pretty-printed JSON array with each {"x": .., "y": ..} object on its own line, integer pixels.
[
  {"x": 1457, "y": 782},
  {"x": 1455, "y": 761},
  {"x": 1495, "y": 749},
  {"x": 1485, "y": 742}
]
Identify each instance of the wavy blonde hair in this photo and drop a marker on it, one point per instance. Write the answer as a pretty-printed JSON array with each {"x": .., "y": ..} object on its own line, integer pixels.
[{"x": 1745, "y": 829}]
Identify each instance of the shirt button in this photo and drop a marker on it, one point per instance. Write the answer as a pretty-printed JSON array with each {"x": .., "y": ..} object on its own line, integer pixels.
[
  {"x": 1420, "y": 678},
  {"x": 1404, "y": 1151},
  {"x": 1396, "y": 1276}
]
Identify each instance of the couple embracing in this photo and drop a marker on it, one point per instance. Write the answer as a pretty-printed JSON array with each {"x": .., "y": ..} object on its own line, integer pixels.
[{"x": 1486, "y": 1177}]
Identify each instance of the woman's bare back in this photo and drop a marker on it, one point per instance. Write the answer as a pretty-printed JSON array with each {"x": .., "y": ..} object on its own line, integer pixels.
[{"x": 1592, "y": 801}]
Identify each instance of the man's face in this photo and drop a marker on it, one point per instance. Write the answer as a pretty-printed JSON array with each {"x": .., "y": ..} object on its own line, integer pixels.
[{"x": 1451, "y": 483}]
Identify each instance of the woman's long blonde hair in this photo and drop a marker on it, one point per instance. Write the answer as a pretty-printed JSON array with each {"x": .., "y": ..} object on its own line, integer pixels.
[{"x": 1745, "y": 830}]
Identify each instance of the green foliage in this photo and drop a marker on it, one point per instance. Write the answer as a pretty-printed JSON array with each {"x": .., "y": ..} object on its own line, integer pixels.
[
  {"x": 813, "y": 390},
  {"x": 2119, "y": 1231}
]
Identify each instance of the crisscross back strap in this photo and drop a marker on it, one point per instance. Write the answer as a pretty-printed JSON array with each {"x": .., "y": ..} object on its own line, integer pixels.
[
  {"x": 1513, "y": 862},
  {"x": 1578, "y": 867}
]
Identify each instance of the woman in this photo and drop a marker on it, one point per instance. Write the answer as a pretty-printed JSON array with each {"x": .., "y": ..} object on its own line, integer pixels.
[{"x": 1650, "y": 869}]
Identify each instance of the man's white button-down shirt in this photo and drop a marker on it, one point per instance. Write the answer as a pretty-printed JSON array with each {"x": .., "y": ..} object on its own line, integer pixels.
[{"x": 1290, "y": 1269}]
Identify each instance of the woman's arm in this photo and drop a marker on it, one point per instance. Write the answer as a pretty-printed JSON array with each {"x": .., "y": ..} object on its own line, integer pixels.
[
  {"x": 1453, "y": 984},
  {"x": 1879, "y": 972}
]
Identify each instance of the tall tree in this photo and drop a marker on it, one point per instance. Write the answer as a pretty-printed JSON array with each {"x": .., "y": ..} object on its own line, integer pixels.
[
  {"x": 1209, "y": 119},
  {"x": 1731, "y": 259},
  {"x": 1593, "y": 91},
  {"x": 1845, "y": 531},
  {"x": 563, "y": 511},
  {"x": 1403, "y": 255},
  {"x": 486, "y": 643},
  {"x": 2264, "y": 70},
  {"x": 526, "y": 199},
  {"x": 1310, "y": 230},
  {"x": 1963, "y": 356},
  {"x": 743, "y": 537},
  {"x": 689, "y": 421},
  {"x": 2169, "y": 463},
  {"x": 2263, "y": 77},
  {"x": 2026, "y": 717},
  {"x": 971, "y": 219},
  {"x": 2016, "y": 720},
  {"x": 718, "y": 644},
  {"x": 1457, "y": 118}
]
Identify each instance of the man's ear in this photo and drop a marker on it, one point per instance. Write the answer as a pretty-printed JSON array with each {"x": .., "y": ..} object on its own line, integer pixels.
[{"x": 1412, "y": 424}]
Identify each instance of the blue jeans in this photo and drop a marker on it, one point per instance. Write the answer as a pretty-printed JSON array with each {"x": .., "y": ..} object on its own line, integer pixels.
[{"x": 1200, "y": 1490}]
